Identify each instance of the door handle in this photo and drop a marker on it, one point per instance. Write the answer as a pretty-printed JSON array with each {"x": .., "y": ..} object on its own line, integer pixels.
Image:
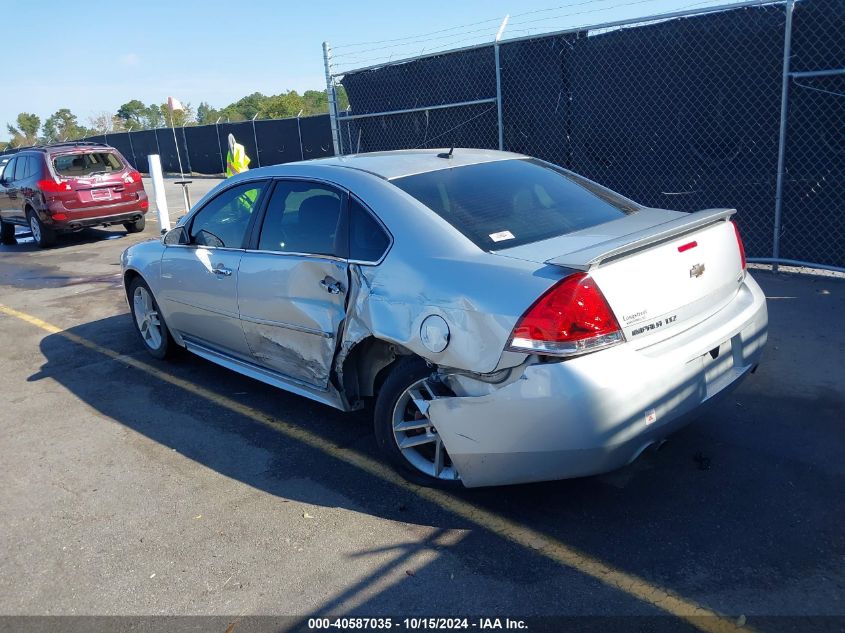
[
  {"x": 331, "y": 285},
  {"x": 220, "y": 270}
]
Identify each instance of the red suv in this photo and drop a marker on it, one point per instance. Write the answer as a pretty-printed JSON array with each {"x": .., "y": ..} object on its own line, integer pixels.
[{"x": 69, "y": 186}]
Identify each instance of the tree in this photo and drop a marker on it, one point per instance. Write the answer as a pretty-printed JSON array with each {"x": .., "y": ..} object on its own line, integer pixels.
[
  {"x": 62, "y": 125},
  {"x": 180, "y": 117},
  {"x": 102, "y": 123},
  {"x": 132, "y": 113},
  {"x": 26, "y": 133},
  {"x": 281, "y": 106},
  {"x": 250, "y": 105},
  {"x": 206, "y": 115},
  {"x": 153, "y": 116}
]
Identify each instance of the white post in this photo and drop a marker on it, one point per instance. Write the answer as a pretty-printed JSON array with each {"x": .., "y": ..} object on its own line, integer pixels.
[{"x": 158, "y": 192}]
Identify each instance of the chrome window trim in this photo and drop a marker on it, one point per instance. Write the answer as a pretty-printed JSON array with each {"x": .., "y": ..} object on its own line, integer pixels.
[
  {"x": 199, "y": 246},
  {"x": 333, "y": 258}
]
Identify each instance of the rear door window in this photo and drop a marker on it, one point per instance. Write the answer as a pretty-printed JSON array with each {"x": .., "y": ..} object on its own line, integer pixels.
[
  {"x": 87, "y": 164},
  {"x": 367, "y": 239},
  {"x": 509, "y": 203},
  {"x": 303, "y": 217},
  {"x": 32, "y": 163}
]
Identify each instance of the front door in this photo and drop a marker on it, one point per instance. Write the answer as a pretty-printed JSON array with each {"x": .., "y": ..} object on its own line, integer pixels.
[
  {"x": 199, "y": 281},
  {"x": 292, "y": 289},
  {"x": 8, "y": 189}
]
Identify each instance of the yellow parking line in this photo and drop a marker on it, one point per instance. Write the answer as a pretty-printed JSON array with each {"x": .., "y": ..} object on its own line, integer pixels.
[{"x": 551, "y": 548}]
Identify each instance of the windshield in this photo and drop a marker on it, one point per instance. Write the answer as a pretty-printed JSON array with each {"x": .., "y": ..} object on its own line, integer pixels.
[
  {"x": 81, "y": 165},
  {"x": 514, "y": 202}
]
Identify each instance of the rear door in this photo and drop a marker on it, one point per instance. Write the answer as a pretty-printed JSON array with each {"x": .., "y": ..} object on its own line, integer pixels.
[
  {"x": 292, "y": 285},
  {"x": 199, "y": 281}
]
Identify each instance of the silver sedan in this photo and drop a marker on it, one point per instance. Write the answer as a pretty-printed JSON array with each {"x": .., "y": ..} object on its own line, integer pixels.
[{"x": 508, "y": 320}]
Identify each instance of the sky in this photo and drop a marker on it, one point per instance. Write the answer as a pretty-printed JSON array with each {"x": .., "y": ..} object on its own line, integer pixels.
[{"x": 100, "y": 54}]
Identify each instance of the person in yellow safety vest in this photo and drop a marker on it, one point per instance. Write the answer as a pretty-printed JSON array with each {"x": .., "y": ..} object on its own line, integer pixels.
[{"x": 236, "y": 160}]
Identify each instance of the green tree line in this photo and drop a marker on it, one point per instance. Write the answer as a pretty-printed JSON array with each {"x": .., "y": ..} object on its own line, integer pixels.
[{"x": 64, "y": 125}]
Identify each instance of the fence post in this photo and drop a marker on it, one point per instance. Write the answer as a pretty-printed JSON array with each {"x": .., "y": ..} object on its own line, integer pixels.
[
  {"x": 132, "y": 148},
  {"x": 299, "y": 131},
  {"x": 499, "y": 83},
  {"x": 332, "y": 97},
  {"x": 255, "y": 137},
  {"x": 187, "y": 153},
  {"x": 220, "y": 146},
  {"x": 784, "y": 102}
]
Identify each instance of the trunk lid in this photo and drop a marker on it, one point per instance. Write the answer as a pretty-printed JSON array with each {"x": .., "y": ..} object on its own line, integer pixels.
[{"x": 661, "y": 271}]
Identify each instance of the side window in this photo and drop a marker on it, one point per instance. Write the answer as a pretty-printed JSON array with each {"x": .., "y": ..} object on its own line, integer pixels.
[
  {"x": 31, "y": 167},
  {"x": 302, "y": 217},
  {"x": 367, "y": 239},
  {"x": 223, "y": 221},
  {"x": 9, "y": 170},
  {"x": 20, "y": 168}
]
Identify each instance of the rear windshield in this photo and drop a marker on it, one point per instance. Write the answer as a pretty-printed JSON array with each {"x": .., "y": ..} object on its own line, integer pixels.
[
  {"x": 514, "y": 202},
  {"x": 78, "y": 165}
]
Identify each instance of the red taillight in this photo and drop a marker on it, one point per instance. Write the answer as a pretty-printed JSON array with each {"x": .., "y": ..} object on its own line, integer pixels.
[
  {"x": 740, "y": 245},
  {"x": 51, "y": 186},
  {"x": 134, "y": 176},
  {"x": 145, "y": 204},
  {"x": 572, "y": 317},
  {"x": 61, "y": 217},
  {"x": 685, "y": 247}
]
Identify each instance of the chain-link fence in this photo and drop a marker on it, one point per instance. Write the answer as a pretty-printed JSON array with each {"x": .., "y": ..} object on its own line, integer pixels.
[
  {"x": 688, "y": 111},
  {"x": 201, "y": 149}
]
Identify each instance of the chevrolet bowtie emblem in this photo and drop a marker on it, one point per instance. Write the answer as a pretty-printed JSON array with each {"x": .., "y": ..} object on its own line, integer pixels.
[{"x": 696, "y": 271}]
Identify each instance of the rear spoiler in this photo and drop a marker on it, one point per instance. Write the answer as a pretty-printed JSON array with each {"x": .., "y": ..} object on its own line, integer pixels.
[{"x": 593, "y": 256}]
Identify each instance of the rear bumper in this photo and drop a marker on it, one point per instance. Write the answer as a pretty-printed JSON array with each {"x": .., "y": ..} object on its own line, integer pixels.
[
  {"x": 598, "y": 412},
  {"x": 95, "y": 216}
]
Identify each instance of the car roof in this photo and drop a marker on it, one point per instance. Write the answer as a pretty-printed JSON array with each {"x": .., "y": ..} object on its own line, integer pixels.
[{"x": 395, "y": 164}]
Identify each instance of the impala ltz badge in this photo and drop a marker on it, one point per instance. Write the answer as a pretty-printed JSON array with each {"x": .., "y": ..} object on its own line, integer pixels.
[{"x": 696, "y": 271}]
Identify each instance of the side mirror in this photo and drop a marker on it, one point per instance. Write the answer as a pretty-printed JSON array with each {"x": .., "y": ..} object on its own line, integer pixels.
[{"x": 177, "y": 236}]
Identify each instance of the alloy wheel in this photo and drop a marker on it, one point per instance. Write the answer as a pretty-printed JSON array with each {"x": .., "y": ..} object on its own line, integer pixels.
[
  {"x": 35, "y": 227},
  {"x": 416, "y": 435},
  {"x": 147, "y": 318}
]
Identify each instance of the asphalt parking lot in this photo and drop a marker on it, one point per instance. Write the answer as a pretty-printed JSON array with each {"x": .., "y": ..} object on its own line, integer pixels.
[{"x": 136, "y": 487}]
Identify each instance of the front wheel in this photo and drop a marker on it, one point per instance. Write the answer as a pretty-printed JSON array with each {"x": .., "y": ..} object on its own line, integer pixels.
[
  {"x": 43, "y": 235},
  {"x": 135, "y": 227},
  {"x": 404, "y": 432},
  {"x": 149, "y": 323}
]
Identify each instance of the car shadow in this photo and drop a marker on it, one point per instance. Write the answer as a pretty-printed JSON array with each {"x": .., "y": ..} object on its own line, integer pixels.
[
  {"x": 26, "y": 243},
  {"x": 734, "y": 500}
]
